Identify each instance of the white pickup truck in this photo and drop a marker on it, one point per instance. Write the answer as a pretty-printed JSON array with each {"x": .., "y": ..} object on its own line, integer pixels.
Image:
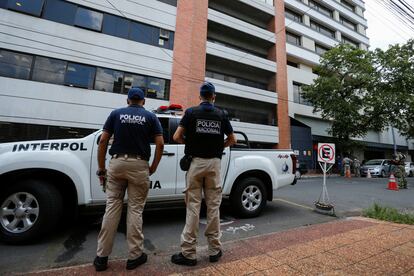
[{"x": 42, "y": 182}]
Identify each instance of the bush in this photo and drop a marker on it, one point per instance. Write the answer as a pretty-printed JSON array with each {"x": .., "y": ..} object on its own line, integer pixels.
[{"x": 388, "y": 214}]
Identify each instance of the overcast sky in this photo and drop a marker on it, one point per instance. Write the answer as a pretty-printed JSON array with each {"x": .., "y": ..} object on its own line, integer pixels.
[{"x": 383, "y": 27}]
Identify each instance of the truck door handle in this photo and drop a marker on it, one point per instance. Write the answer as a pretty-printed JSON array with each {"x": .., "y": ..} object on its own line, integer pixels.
[{"x": 168, "y": 153}]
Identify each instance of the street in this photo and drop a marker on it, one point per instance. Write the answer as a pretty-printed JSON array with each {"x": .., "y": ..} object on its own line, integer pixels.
[{"x": 291, "y": 208}]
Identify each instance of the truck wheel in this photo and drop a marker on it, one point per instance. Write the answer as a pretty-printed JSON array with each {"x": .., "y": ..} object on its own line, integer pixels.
[
  {"x": 29, "y": 209},
  {"x": 249, "y": 197}
]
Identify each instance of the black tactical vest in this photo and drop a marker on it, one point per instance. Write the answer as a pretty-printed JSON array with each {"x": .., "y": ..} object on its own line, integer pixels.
[{"x": 205, "y": 135}]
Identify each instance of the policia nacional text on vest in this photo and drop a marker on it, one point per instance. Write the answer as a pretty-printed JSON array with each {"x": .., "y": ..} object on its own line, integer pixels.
[{"x": 205, "y": 134}]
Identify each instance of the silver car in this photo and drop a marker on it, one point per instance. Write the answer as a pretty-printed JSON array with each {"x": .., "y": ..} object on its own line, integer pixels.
[
  {"x": 409, "y": 169},
  {"x": 377, "y": 167}
]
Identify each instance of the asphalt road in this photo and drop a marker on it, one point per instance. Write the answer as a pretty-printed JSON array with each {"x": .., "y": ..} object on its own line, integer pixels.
[{"x": 292, "y": 207}]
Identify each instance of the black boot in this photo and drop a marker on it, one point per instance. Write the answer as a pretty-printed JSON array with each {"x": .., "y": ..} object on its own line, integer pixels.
[
  {"x": 100, "y": 263},
  {"x": 215, "y": 258},
  {"x": 132, "y": 264},
  {"x": 179, "y": 259}
]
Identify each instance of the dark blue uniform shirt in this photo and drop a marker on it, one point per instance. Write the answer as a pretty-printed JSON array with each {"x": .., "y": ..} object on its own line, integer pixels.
[
  {"x": 185, "y": 121},
  {"x": 133, "y": 128}
]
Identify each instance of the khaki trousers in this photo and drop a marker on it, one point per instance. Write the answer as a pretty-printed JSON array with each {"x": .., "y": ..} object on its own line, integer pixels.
[
  {"x": 203, "y": 176},
  {"x": 130, "y": 175}
]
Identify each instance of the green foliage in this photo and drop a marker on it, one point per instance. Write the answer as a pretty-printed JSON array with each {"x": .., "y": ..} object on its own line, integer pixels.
[
  {"x": 388, "y": 214},
  {"x": 361, "y": 90}
]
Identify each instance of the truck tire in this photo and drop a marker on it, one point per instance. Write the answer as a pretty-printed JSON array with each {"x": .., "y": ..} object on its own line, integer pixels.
[
  {"x": 248, "y": 197},
  {"x": 28, "y": 210}
]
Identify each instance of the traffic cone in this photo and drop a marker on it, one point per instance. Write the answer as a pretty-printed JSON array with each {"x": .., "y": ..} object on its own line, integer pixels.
[
  {"x": 392, "y": 184},
  {"x": 348, "y": 173},
  {"x": 369, "y": 174}
]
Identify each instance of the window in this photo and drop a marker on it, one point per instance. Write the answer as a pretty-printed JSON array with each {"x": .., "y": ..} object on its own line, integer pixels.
[
  {"x": 292, "y": 38},
  {"x": 349, "y": 41},
  {"x": 293, "y": 15},
  {"x": 157, "y": 88},
  {"x": 33, "y": 7},
  {"x": 134, "y": 80},
  {"x": 49, "y": 70},
  {"x": 116, "y": 26},
  {"x": 348, "y": 5},
  {"x": 320, "y": 8},
  {"x": 108, "y": 80},
  {"x": 15, "y": 65},
  {"x": 60, "y": 11},
  {"x": 322, "y": 29},
  {"x": 80, "y": 75},
  {"x": 297, "y": 94},
  {"x": 293, "y": 64},
  {"x": 319, "y": 49},
  {"x": 88, "y": 19},
  {"x": 144, "y": 33},
  {"x": 241, "y": 81},
  {"x": 347, "y": 23},
  {"x": 164, "y": 38},
  {"x": 247, "y": 110}
]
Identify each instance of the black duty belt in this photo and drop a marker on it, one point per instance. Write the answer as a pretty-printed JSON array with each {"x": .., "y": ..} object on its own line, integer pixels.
[{"x": 128, "y": 156}]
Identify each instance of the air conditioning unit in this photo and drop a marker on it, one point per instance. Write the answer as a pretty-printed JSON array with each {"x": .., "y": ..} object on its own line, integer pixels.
[{"x": 164, "y": 34}]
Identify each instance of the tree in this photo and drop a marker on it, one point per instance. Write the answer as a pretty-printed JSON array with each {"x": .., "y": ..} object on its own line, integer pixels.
[
  {"x": 339, "y": 92},
  {"x": 359, "y": 90},
  {"x": 395, "y": 90}
]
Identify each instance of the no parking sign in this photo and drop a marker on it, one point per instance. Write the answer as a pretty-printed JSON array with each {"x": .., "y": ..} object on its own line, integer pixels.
[{"x": 326, "y": 153}]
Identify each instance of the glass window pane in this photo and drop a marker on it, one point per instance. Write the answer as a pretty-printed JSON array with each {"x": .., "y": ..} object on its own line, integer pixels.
[
  {"x": 144, "y": 33},
  {"x": 156, "y": 88},
  {"x": 80, "y": 75},
  {"x": 88, "y": 19},
  {"x": 15, "y": 65},
  {"x": 108, "y": 80},
  {"x": 33, "y": 7},
  {"x": 49, "y": 70},
  {"x": 116, "y": 26},
  {"x": 134, "y": 80},
  {"x": 60, "y": 11}
]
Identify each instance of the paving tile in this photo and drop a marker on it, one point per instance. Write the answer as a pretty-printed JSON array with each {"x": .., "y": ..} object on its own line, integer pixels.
[
  {"x": 262, "y": 262},
  {"x": 326, "y": 244},
  {"x": 308, "y": 266},
  {"x": 281, "y": 270},
  {"x": 330, "y": 261},
  {"x": 404, "y": 249},
  {"x": 350, "y": 254},
  {"x": 305, "y": 249},
  {"x": 389, "y": 262},
  {"x": 334, "y": 273},
  {"x": 235, "y": 268},
  {"x": 285, "y": 255},
  {"x": 366, "y": 248},
  {"x": 409, "y": 273},
  {"x": 382, "y": 242},
  {"x": 361, "y": 270},
  {"x": 207, "y": 271}
]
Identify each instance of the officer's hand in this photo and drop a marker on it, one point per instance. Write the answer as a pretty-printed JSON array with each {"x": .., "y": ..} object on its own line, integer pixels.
[{"x": 152, "y": 170}]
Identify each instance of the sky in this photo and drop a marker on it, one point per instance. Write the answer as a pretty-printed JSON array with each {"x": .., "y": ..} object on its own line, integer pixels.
[{"x": 383, "y": 27}]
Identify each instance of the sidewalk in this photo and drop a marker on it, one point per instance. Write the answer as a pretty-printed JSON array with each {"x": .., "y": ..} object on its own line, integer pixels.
[{"x": 355, "y": 246}]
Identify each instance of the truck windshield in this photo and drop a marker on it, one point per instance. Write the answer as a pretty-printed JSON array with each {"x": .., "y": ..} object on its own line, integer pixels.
[{"x": 374, "y": 162}]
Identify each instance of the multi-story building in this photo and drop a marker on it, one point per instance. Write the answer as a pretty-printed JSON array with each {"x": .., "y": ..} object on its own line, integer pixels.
[{"x": 64, "y": 65}]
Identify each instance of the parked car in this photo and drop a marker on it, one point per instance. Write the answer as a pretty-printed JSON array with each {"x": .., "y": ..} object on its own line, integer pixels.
[
  {"x": 409, "y": 169},
  {"x": 377, "y": 167}
]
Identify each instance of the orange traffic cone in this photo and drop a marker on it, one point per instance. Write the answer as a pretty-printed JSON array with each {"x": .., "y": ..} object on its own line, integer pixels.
[
  {"x": 392, "y": 183},
  {"x": 369, "y": 174},
  {"x": 348, "y": 173}
]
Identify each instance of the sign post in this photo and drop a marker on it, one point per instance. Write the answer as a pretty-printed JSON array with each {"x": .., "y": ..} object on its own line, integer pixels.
[{"x": 326, "y": 155}]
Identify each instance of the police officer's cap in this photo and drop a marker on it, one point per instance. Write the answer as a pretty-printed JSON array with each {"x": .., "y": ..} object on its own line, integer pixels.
[
  {"x": 207, "y": 89},
  {"x": 136, "y": 93}
]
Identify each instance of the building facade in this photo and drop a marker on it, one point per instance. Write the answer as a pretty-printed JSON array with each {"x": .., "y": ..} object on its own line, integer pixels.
[{"x": 64, "y": 65}]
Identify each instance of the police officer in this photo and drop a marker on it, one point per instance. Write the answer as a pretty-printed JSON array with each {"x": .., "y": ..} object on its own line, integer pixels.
[
  {"x": 399, "y": 161},
  {"x": 202, "y": 130},
  {"x": 133, "y": 127}
]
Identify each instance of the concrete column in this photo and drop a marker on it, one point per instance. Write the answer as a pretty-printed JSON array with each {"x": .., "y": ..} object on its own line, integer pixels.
[
  {"x": 338, "y": 35},
  {"x": 283, "y": 120},
  {"x": 189, "y": 64},
  {"x": 308, "y": 43},
  {"x": 306, "y": 2},
  {"x": 359, "y": 11},
  {"x": 306, "y": 20},
  {"x": 361, "y": 29},
  {"x": 336, "y": 15}
]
